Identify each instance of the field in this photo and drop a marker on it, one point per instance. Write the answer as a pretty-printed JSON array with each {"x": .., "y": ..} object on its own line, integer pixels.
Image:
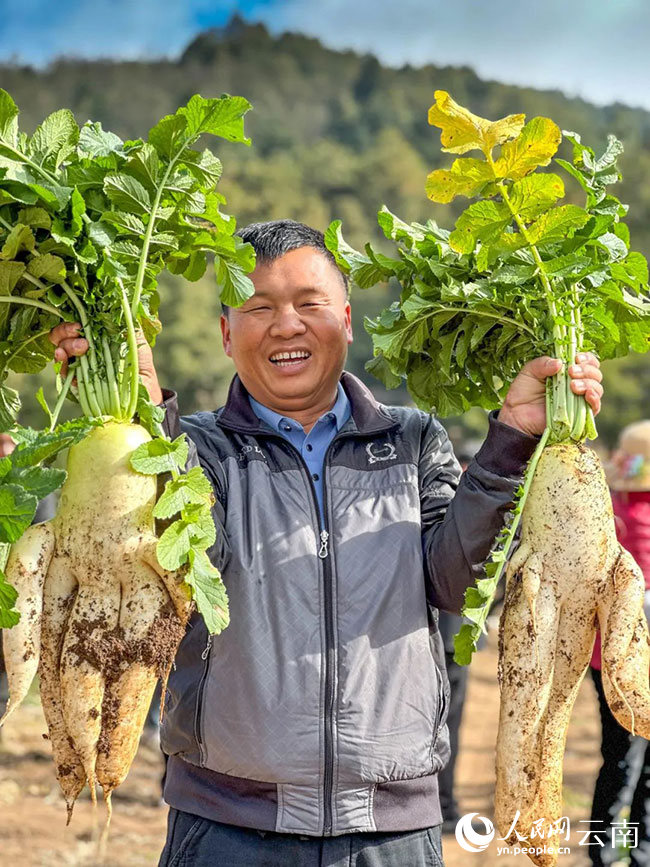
[{"x": 32, "y": 812}]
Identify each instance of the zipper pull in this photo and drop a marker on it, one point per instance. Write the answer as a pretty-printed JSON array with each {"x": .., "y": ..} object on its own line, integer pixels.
[
  {"x": 323, "y": 552},
  {"x": 205, "y": 653}
]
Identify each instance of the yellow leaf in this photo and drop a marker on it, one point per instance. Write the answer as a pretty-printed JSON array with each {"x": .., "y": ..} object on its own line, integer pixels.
[
  {"x": 534, "y": 194},
  {"x": 467, "y": 177},
  {"x": 538, "y": 142},
  {"x": 463, "y": 131}
]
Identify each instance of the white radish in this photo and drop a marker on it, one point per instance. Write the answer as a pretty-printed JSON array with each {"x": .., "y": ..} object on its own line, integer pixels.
[
  {"x": 26, "y": 569},
  {"x": 569, "y": 575}
]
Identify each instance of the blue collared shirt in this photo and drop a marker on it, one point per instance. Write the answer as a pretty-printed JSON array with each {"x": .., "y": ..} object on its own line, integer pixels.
[{"x": 313, "y": 445}]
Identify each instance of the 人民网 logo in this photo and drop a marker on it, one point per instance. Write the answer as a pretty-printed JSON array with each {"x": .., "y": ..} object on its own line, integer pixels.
[{"x": 470, "y": 839}]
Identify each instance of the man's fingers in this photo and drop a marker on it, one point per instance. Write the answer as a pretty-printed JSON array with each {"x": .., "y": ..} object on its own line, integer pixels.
[
  {"x": 64, "y": 330},
  {"x": 587, "y": 358},
  {"x": 587, "y": 386},
  {"x": 7, "y": 445},
  {"x": 593, "y": 397},
  {"x": 586, "y": 371},
  {"x": 71, "y": 346},
  {"x": 543, "y": 367}
]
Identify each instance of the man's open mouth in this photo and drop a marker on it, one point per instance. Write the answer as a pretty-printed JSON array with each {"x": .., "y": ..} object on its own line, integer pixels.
[{"x": 290, "y": 359}]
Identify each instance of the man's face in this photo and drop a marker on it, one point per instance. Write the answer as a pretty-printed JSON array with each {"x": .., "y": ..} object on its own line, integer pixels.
[{"x": 299, "y": 306}]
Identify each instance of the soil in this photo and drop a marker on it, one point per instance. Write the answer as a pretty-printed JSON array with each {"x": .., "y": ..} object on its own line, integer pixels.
[{"x": 32, "y": 810}]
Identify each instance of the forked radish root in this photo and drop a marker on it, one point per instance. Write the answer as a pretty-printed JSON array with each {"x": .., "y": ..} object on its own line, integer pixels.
[
  {"x": 97, "y": 613},
  {"x": 568, "y": 577}
]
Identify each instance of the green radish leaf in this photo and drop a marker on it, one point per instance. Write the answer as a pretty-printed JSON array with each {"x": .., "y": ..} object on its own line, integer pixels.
[
  {"x": 201, "y": 527},
  {"x": 9, "y": 406},
  {"x": 38, "y": 481},
  {"x": 482, "y": 221},
  {"x": 174, "y": 545},
  {"x": 54, "y": 139},
  {"x": 40, "y": 397},
  {"x": 32, "y": 354},
  {"x": 47, "y": 267},
  {"x": 149, "y": 414},
  {"x": 557, "y": 224},
  {"x": 535, "y": 194},
  {"x": 36, "y": 218},
  {"x": 193, "y": 487},
  {"x": 236, "y": 287},
  {"x": 10, "y": 274},
  {"x": 96, "y": 142},
  {"x": 204, "y": 166},
  {"x": 19, "y": 238},
  {"x": 34, "y": 447},
  {"x": 17, "y": 510},
  {"x": 8, "y": 597},
  {"x": 380, "y": 368},
  {"x": 8, "y": 120},
  {"x": 101, "y": 233},
  {"x": 124, "y": 221},
  {"x": 160, "y": 456},
  {"x": 223, "y": 117},
  {"x": 169, "y": 136},
  {"x": 396, "y": 229},
  {"x": 208, "y": 591},
  {"x": 144, "y": 165},
  {"x": 127, "y": 194}
]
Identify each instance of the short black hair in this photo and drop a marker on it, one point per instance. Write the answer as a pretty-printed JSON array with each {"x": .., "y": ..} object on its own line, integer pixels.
[{"x": 271, "y": 240}]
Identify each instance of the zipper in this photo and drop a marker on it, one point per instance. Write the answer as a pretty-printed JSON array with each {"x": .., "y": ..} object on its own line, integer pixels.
[
  {"x": 323, "y": 551},
  {"x": 205, "y": 656},
  {"x": 330, "y": 657}
]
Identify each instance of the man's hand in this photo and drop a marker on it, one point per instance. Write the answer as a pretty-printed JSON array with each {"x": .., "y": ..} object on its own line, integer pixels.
[
  {"x": 525, "y": 405},
  {"x": 7, "y": 445},
  {"x": 69, "y": 344}
]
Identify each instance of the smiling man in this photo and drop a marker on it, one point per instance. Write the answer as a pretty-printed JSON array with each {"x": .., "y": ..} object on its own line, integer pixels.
[{"x": 311, "y": 731}]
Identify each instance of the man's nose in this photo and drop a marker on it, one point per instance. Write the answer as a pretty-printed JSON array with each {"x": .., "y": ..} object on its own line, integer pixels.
[{"x": 286, "y": 323}]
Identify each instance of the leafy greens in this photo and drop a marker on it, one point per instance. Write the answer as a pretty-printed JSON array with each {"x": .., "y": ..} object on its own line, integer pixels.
[{"x": 87, "y": 224}]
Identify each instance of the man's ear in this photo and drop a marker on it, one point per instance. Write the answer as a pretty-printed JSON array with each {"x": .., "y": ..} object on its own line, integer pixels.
[
  {"x": 225, "y": 335},
  {"x": 348, "y": 322}
]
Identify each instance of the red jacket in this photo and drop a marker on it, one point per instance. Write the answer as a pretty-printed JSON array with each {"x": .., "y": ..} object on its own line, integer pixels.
[{"x": 632, "y": 516}]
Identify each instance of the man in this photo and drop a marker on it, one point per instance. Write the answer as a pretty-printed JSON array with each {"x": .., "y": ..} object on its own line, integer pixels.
[{"x": 311, "y": 731}]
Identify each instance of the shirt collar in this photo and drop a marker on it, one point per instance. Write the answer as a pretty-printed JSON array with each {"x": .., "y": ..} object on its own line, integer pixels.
[{"x": 340, "y": 411}]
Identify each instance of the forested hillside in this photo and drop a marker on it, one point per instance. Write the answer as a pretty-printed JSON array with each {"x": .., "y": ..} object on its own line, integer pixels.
[{"x": 335, "y": 135}]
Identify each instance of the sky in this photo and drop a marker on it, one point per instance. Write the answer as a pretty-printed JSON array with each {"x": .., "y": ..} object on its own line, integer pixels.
[{"x": 596, "y": 49}]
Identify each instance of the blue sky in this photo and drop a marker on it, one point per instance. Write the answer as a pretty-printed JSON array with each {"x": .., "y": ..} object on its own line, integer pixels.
[{"x": 598, "y": 50}]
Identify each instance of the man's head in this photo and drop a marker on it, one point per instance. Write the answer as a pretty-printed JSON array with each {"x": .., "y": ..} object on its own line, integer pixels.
[{"x": 300, "y": 307}]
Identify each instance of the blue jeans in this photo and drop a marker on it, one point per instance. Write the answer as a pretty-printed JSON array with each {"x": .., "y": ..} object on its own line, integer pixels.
[{"x": 196, "y": 842}]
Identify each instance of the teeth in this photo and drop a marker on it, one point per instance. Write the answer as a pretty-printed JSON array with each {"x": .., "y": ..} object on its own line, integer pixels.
[{"x": 288, "y": 356}]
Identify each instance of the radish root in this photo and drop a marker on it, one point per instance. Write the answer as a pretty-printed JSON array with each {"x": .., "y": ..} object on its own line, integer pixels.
[
  {"x": 569, "y": 575},
  {"x": 98, "y": 612}
]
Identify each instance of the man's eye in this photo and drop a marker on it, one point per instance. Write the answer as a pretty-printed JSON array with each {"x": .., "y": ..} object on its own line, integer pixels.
[{"x": 255, "y": 309}]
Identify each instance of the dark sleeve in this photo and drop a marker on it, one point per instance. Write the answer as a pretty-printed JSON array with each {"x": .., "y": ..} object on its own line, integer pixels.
[
  {"x": 202, "y": 455},
  {"x": 462, "y": 515}
]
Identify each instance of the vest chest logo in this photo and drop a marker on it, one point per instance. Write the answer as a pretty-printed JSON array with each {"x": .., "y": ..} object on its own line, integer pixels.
[
  {"x": 380, "y": 453},
  {"x": 246, "y": 450}
]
